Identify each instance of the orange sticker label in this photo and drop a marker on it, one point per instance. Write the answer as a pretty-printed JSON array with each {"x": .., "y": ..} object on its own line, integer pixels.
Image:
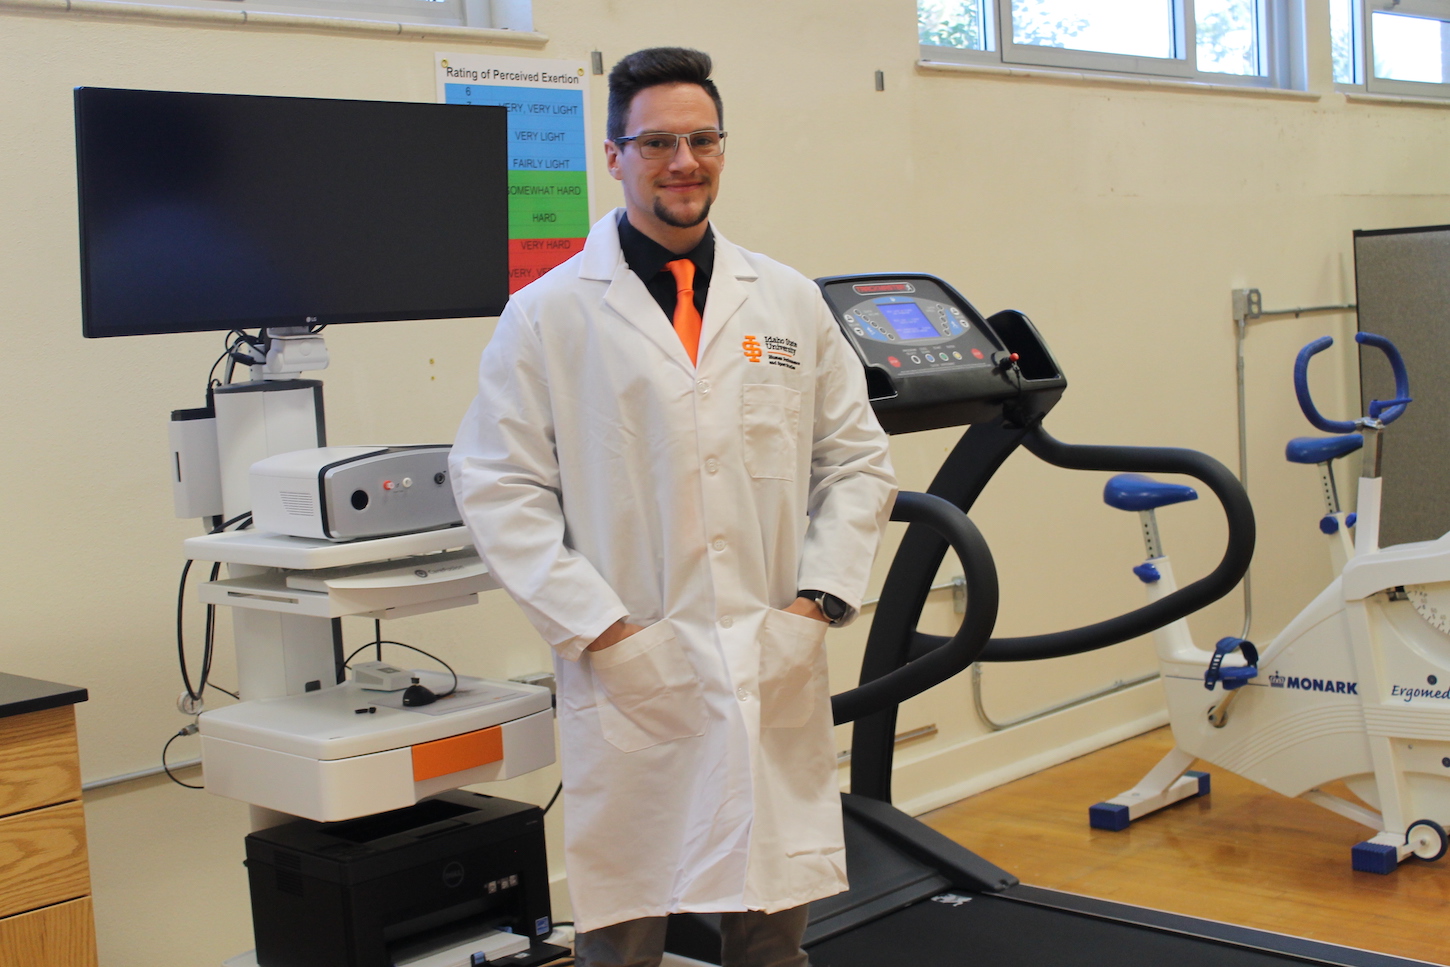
[{"x": 753, "y": 349}]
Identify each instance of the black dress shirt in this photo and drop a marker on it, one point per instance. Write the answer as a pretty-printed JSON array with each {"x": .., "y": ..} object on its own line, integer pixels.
[{"x": 646, "y": 258}]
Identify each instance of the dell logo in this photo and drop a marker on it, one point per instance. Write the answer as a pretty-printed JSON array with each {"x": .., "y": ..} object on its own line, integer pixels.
[{"x": 453, "y": 875}]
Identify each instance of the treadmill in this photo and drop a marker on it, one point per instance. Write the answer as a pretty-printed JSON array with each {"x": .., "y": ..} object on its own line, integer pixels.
[{"x": 917, "y": 898}]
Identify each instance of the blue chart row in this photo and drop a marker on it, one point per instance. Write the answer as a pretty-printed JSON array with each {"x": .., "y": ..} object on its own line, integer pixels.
[{"x": 546, "y": 127}]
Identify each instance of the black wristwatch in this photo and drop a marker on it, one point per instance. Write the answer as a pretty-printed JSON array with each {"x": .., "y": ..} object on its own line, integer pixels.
[{"x": 831, "y": 606}]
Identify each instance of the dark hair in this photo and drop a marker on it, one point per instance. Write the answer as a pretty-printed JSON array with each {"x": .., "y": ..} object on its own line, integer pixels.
[{"x": 650, "y": 68}]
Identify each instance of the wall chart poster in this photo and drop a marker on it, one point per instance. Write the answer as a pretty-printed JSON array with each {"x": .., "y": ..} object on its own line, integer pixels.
[{"x": 548, "y": 151}]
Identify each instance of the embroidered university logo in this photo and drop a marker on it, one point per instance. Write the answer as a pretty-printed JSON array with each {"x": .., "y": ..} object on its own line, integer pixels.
[
  {"x": 780, "y": 351},
  {"x": 753, "y": 350}
]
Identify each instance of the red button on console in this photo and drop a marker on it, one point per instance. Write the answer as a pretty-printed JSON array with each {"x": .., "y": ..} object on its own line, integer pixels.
[{"x": 894, "y": 361}]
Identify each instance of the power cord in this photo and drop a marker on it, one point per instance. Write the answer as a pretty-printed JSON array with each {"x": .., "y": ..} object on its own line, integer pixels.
[
  {"x": 232, "y": 340},
  {"x": 193, "y": 697},
  {"x": 188, "y": 730},
  {"x": 378, "y": 642}
]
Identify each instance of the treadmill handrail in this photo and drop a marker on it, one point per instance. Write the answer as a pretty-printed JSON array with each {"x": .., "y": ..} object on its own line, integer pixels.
[
  {"x": 956, "y": 653},
  {"x": 1220, "y": 581}
]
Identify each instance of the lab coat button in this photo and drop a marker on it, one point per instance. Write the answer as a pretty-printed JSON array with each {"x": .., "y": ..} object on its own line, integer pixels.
[
  {"x": 742, "y": 694},
  {"x": 726, "y": 621},
  {"x": 712, "y": 465},
  {"x": 719, "y": 545},
  {"x": 703, "y": 386}
]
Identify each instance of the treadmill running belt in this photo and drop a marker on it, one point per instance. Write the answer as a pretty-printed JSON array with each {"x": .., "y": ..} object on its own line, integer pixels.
[{"x": 987, "y": 931}]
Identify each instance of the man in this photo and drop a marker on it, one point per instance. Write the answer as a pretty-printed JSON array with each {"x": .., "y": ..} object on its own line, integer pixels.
[{"x": 672, "y": 467}]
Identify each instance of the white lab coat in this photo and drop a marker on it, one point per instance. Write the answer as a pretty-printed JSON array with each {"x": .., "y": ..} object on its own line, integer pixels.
[{"x": 604, "y": 476}]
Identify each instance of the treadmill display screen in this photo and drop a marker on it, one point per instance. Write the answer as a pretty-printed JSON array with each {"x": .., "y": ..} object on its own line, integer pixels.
[{"x": 908, "y": 320}]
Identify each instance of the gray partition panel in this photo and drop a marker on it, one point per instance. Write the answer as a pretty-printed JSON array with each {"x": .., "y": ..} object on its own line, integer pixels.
[{"x": 1403, "y": 282}]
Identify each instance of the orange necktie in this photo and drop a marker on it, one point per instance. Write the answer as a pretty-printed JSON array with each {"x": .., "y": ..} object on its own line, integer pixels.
[{"x": 687, "y": 317}]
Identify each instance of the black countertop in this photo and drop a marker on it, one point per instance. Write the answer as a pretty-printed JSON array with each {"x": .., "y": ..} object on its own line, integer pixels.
[{"x": 19, "y": 695}]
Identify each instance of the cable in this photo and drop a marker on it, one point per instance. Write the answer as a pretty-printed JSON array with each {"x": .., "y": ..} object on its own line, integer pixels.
[
  {"x": 234, "y": 339},
  {"x": 551, "y": 803},
  {"x": 258, "y": 343},
  {"x": 209, "y": 638},
  {"x": 244, "y": 520},
  {"x": 192, "y": 693},
  {"x": 347, "y": 662},
  {"x": 229, "y": 342},
  {"x": 189, "y": 730}
]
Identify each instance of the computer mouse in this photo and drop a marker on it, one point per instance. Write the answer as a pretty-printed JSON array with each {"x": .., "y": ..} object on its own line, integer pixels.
[{"x": 416, "y": 694}]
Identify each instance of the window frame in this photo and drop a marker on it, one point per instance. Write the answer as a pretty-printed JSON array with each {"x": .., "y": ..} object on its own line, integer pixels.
[
  {"x": 1280, "y": 57},
  {"x": 1370, "y": 82}
]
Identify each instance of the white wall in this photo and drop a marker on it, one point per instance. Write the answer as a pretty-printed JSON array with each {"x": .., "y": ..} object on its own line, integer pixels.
[{"x": 1117, "y": 216}]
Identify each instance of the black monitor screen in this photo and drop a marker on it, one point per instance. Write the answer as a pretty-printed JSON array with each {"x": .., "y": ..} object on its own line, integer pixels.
[{"x": 220, "y": 211}]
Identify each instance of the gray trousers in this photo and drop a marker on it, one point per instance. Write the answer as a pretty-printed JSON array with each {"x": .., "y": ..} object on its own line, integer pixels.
[{"x": 748, "y": 939}]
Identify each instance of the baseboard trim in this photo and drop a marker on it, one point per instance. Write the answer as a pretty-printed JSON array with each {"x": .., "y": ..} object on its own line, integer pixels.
[{"x": 995, "y": 758}]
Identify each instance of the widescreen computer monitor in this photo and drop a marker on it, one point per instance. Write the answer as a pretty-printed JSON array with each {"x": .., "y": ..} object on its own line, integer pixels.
[{"x": 223, "y": 211}]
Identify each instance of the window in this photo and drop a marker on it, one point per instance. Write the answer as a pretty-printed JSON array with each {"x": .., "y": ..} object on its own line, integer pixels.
[
  {"x": 1219, "y": 41},
  {"x": 1397, "y": 47},
  {"x": 1345, "y": 19},
  {"x": 510, "y": 14}
]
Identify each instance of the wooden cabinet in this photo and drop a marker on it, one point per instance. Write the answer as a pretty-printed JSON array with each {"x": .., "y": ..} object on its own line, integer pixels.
[{"x": 45, "y": 880}]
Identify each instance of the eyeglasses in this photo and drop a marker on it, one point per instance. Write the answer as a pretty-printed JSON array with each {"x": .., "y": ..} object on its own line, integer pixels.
[{"x": 657, "y": 145}]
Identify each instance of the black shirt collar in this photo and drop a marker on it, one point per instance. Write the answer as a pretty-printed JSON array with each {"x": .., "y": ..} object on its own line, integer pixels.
[{"x": 646, "y": 257}]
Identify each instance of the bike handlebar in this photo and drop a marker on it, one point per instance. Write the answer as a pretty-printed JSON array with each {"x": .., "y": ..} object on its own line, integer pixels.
[{"x": 1385, "y": 411}]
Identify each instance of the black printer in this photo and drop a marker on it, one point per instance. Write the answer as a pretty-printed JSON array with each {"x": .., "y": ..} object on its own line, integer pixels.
[{"x": 375, "y": 891}]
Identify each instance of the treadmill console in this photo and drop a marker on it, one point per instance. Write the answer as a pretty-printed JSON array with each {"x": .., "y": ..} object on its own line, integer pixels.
[{"x": 931, "y": 359}]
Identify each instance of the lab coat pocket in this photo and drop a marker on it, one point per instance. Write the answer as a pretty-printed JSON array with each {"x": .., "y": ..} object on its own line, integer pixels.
[
  {"x": 647, "y": 690},
  {"x": 770, "y": 418},
  {"x": 793, "y": 679}
]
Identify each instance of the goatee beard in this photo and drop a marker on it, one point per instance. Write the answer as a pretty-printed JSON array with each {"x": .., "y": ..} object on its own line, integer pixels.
[{"x": 669, "y": 218}]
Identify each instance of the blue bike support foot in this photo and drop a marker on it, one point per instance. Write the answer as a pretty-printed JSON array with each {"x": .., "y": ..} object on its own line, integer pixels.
[
  {"x": 1109, "y": 816},
  {"x": 1203, "y": 781},
  {"x": 1368, "y": 857}
]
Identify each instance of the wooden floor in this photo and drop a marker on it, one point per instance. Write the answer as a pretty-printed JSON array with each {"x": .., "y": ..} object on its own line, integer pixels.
[{"x": 1241, "y": 854}]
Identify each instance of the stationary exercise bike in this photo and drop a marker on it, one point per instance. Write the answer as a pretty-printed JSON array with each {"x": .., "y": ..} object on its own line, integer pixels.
[{"x": 1356, "y": 688}]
